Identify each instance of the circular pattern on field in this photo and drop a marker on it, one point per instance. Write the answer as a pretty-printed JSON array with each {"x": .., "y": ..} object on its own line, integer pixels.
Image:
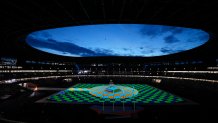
[{"x": 126, "y": 92}]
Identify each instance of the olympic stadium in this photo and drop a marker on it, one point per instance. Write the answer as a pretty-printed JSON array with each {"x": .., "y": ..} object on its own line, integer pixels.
[{"x": 108, "y": 61}]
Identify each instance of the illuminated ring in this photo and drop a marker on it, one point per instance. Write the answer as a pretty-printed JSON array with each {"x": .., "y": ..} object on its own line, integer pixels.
[{"x": 126, "y": 92}]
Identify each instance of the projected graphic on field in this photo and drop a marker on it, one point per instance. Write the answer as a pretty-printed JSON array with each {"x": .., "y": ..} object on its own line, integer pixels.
[{"x": 119, "y": 93}]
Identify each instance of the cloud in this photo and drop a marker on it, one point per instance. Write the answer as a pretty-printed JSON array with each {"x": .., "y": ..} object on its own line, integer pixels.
[
  {"x": 46, "y": 34},
  {"x": 67, "y": 48},
  {"x": 200, "y": 37},
  {"x": 42, "y": 34},
  {"x": 173, "y": 30},
  {"x": 171, "y": 39},
  {"x": 125, "y": 49},
  {"x": 151, "y": 31},
  {"x": 60, "y": 46},
  {"x": 104, "y": 52},
  {"x": 203, "y": 37},
  {"x": 157, "y": 30},
  {"x": 167, "y": 50},
  {"x": 147, "y": 51}
]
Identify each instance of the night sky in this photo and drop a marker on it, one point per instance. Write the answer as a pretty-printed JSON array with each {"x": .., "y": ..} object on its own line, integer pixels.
[{"x": 117, "y": 40}]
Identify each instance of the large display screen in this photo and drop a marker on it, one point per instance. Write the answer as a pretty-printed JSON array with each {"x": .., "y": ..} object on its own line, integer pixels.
[{"x": 135, "y": 40}]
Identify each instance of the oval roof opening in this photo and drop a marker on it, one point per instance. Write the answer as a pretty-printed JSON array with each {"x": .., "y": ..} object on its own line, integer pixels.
[{"x": 134, "y": 40}]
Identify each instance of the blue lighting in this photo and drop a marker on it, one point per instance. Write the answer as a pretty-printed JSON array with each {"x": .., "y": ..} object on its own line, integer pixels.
[{"x": 139, "y": 40}]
